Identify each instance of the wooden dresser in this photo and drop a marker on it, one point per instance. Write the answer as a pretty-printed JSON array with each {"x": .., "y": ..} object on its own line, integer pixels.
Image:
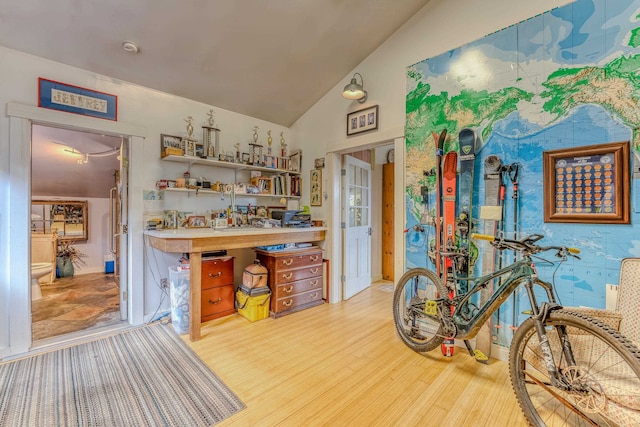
[
  {"x": 295, "y": 279},
  {"x": 218, "y": 297}
]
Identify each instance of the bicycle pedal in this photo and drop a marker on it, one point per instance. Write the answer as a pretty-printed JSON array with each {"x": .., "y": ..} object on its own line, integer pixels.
[
  {"x": 480, "y": 356},
  {"x": 431, "y": 308}
]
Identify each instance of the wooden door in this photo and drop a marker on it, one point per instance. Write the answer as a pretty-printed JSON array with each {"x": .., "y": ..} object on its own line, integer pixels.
[{"x": 387, "y": 221}]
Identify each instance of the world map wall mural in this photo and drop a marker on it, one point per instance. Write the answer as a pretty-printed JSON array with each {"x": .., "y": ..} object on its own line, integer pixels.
[{"x": 566, "y": 78}]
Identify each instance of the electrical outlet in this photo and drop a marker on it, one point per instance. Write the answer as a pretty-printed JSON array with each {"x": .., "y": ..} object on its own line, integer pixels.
[{"x": 164, "y": 282}]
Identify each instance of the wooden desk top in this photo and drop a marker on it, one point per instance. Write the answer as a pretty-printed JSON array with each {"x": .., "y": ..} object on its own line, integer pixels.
[{"x": 197, "y": 240}]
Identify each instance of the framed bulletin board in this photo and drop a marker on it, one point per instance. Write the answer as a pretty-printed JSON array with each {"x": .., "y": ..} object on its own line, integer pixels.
[{"x": 587, "y": 184}]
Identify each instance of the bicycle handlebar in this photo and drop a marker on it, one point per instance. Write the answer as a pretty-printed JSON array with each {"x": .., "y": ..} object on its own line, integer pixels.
[{"x": 525, "y": 245}]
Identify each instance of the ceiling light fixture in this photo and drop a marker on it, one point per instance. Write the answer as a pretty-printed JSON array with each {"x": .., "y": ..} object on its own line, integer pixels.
[
  {"x": 130, "y": 47},
  {"x": 354, "y": 90}
]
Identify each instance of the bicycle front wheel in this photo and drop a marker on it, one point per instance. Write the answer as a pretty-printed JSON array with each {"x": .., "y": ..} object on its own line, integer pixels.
[
  {"x": 601, "y": 388},
  {"x": 420, "y": 331}
]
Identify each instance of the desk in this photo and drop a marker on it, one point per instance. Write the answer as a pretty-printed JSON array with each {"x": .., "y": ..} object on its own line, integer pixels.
[{"x": 198, "y": 240}]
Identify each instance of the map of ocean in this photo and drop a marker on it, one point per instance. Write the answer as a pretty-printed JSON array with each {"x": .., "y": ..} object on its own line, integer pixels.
[{"x": 567, "y": 78}]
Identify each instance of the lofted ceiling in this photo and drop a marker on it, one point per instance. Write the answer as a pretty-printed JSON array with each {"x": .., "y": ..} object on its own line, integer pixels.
[{"x": 269, "y": 59}]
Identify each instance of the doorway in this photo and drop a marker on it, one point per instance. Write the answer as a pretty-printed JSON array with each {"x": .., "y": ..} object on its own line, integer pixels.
[
  {"x": 73, "y": 165},
  {"x": 361, "y": 217}
]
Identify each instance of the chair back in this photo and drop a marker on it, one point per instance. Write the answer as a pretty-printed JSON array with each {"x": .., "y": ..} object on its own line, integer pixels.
[{"x": 629, "y": 299}]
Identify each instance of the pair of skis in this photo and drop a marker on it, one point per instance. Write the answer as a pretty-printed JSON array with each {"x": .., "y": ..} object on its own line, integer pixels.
[{"x": 446, "y": 222}]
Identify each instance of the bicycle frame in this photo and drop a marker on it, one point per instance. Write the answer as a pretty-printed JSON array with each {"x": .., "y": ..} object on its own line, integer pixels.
[{"x": 513, "y": 275}]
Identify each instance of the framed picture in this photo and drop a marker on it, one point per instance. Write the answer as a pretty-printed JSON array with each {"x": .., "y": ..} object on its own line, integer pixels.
[
  {"x": 78, "y": 100},
  {"x": 587, "y": 184},
  {"x": 295, "y": 160},
  {"x": 316, "y": 187},
  {"x": 170, "y": 145},
  {"x": 362, "y": 120},
  {"x": 196, "y": 222},
  {"x": 319, "y": 163}
]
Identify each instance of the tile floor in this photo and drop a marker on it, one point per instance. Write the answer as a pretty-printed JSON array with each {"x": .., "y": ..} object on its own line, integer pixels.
[{"x": 75, "y": 303}]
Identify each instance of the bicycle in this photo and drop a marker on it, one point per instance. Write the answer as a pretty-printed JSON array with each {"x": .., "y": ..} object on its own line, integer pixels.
[{"x": 566, "y": 368}]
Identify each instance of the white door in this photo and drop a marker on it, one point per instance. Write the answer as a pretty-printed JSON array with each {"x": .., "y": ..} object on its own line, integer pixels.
[
  {"x": 357, "y": 226},
  {"x": 119, "y": 227}
]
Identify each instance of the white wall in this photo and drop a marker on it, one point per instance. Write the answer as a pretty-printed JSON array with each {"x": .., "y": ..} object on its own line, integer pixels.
[
  {"x": 156, "y": 111},
  {"x": 439, "y": 26}
]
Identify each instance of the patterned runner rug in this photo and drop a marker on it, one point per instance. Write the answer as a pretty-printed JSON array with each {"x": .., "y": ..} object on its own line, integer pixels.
[{"x": 143, "y": 377}]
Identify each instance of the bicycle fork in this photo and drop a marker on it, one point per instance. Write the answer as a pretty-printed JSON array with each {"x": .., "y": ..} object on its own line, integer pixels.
[{"x": 540, "y": 315}]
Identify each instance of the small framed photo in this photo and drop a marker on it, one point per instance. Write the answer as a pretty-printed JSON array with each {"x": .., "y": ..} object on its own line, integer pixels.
[
  {"x": 316, "y": 187},
  {"x": 295, "y": 161},
  {"x": 245, "y": 158},
  {"x": 319, "y": 163},
  {"x": 362, "y": 120},
  {"x": 170, "y": 146},
  {"x": 196, "y": 222}
]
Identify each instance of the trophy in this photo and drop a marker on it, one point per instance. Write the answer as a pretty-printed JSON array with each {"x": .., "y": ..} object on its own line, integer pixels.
[
  {"x": 210, "y": 138},
  {"x": 269, "y": 161},
  {"x": 191, "y": 146},
  {"x": 255, "y": 149}
]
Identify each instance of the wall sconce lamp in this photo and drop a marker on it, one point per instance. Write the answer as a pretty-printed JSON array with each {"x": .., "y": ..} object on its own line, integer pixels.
[{"x": 354, "y": 90}]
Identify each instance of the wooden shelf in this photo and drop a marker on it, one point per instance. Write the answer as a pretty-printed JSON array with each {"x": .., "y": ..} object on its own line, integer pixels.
[
  {"x": 208, "y": 192},
  {"x": 229, "y": 165}
]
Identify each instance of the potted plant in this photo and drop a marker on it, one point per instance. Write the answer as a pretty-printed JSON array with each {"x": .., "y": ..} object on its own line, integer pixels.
[{"x": 66, "y": 256}]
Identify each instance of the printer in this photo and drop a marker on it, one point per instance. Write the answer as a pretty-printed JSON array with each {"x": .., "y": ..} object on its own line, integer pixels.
[{"x": 292, "y": 218}]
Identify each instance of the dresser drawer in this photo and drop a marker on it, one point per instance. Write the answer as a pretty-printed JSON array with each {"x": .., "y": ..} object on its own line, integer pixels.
[
  {"x": 294, "y": 288},
  {"x": 286, "y": 276},
  {"x": 288, "y": 303},
  {"x": 216, "y": 272},
  {"x": 293, "y": 261},
  {"x": 217, "y": 302}
]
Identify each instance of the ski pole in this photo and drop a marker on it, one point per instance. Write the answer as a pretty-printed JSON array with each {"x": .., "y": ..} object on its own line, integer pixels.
[{"x": 513, "y": 176}]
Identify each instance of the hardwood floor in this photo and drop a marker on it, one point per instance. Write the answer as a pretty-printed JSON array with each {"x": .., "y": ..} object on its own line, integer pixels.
[
  {"x": 342, "y": 364},
  {"x": 75, "y": 303}
]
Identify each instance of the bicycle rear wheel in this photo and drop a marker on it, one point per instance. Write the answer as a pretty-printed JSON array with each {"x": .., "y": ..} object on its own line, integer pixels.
[
  {"x": 602, "y": 387},
  {"x": 418, "y": 330}
]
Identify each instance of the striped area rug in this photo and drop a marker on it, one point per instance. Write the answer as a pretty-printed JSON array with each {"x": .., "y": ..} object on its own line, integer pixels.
[{"x": 143, "y": 377}]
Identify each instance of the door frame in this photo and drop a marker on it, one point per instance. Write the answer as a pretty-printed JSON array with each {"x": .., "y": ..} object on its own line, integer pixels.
[
  {"x": 21, "y": 118},
  {"x": 334, "y": 242}
]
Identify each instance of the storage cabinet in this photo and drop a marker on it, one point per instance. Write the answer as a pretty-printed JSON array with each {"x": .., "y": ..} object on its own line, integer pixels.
[
  {"x": 295, "y": 279},
  {"x": 217, "y": 290}
]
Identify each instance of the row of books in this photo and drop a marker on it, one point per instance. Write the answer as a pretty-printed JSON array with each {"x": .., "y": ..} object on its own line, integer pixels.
[{"x": 278, "y": 185}]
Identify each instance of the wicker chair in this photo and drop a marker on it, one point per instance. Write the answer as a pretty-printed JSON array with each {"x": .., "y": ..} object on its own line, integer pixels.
[{"x": 626, "y": 320}]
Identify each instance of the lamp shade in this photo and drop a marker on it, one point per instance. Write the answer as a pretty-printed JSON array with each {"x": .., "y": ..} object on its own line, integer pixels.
[{"x": 354, "y": 90}]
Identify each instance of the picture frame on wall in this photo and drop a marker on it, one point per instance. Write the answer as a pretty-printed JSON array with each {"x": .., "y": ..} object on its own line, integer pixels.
[
  {"x": 587, "y": 184},
  {"x": 362, "y": 120},
  {"x": 316, "y": 187},
  {"x": 295, "y": 160}
]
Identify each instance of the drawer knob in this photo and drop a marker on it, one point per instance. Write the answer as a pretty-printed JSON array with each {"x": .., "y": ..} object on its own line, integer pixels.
[
  {"x": 314, "y": 295},
  {"x": 215, "y": 275},
  {"x": 289, "y": 289},
  {"x": 287, "y": 276},
  {"x": 218, "y": 301},
  {"x": 313, "y": 282},
  {"x": 287, "y": 261},
  {"x": 314, "y": 270},
  {"x": 287, "y": 303},
  {"x": 314, "y": 257}
]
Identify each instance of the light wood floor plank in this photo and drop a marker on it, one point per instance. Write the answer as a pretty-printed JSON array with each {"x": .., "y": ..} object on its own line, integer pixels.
[{"x": 342, "y": 364}]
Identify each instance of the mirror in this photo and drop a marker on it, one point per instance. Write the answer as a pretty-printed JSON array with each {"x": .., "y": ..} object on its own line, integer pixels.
[{"x": 69, "y": 218}]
